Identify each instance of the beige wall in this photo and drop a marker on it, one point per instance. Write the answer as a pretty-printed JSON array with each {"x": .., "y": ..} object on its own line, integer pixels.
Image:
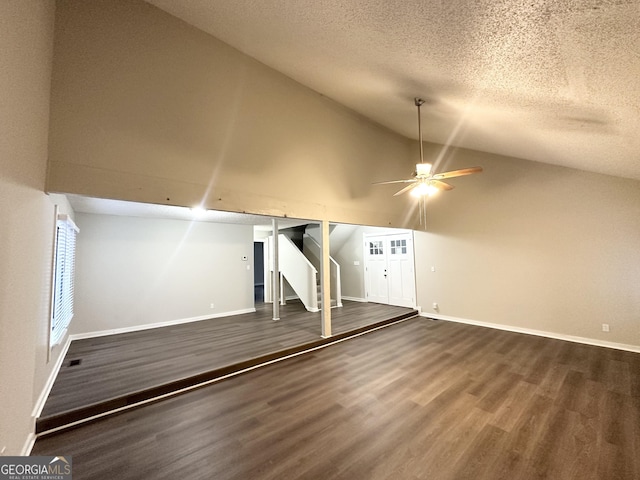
[
  {"x": 535, "y": 246},
  {"x": 148, "y": 108},
  {"x": 26, "y": 36}
]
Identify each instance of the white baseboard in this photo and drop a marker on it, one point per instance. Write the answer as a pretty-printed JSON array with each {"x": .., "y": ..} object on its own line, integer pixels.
[
  {"x": 37, "y": 409},
  {"x": 39, "y": 405},
  {"x": 538, "y": 333},
  {"x": 28, "y": 445},
  {"x": 354, "y": 299},
  {"x": 137, "y": 328}
]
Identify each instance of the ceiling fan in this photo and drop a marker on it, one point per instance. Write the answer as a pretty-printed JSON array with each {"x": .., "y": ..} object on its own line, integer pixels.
[{"x": 424, "y": 182}]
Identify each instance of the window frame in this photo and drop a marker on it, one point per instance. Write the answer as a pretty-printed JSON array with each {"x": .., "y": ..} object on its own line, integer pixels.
[{"x": 62, "y": 278}]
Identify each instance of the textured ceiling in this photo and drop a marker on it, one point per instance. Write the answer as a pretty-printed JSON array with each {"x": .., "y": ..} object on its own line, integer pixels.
[{"x": 556, "y": 81}]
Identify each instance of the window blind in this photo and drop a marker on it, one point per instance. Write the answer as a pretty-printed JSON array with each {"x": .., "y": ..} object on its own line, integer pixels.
[{"x": 64, "y": 272}]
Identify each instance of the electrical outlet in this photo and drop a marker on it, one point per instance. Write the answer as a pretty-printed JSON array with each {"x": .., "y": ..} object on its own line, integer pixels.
[
  {"x": 605, "y": 327},
  {"x": 211, "y": 306},
  {"x": 435, "y": 306}
]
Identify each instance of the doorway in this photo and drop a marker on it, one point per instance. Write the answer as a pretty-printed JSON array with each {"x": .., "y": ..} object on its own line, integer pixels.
[
  {"x": 258, "y": 272},
  {"x": 389, "y": 269}
]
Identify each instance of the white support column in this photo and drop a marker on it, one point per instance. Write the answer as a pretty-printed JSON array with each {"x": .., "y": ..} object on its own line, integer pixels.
[
  {"x": 276, "y": 270},
  {"x": 325, "y": 281}
]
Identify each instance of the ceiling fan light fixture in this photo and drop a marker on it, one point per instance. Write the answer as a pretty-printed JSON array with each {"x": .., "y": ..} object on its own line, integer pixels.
[
  {"x": 424, "y": 189},
  {"x": 420, "y": 190},
  {"x": 423, "y": 169},
  {"x": 426, "y": 183}
]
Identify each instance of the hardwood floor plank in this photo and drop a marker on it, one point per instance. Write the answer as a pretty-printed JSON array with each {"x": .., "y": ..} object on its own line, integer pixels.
[
  {"x": 120, "y": 370},
  {"x": 399, "y": 403},
  {"x": 481, "y": 455},
  {"x": 506, "y": 416}
]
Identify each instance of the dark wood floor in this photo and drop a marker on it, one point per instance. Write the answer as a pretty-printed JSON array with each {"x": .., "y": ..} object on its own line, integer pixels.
[
  {"x": 116, "y": 366},
  {"x": 420, "y": 399}
]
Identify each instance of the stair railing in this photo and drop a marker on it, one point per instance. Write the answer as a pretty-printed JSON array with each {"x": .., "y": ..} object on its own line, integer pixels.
[
  {"x": 299, "y": 272},
  {"x": 315, "y": 250}
]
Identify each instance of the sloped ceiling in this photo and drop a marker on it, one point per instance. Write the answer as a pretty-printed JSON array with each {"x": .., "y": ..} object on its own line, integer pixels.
[{"x": 554, "y": 81}]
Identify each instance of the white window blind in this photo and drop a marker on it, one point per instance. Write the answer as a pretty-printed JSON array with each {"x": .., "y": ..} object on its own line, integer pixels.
[{"x": 64, "y": 271}]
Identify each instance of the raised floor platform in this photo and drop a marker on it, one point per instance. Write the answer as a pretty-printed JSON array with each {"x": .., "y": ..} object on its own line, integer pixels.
[{"x": 105, "y": 374}]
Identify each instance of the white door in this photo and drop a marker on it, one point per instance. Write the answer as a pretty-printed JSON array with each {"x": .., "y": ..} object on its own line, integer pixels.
[
  {"x": 389, "y": 272},
  {"x": 400, "y": 271},
  {"x": 376, "y": 276}
]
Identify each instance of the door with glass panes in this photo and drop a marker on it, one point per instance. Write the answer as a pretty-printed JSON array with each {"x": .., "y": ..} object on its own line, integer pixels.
[{"x": 389, "y": 269}]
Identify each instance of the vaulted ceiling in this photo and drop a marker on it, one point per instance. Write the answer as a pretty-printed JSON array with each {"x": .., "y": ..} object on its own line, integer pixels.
[{"x": 554, "y": 81}]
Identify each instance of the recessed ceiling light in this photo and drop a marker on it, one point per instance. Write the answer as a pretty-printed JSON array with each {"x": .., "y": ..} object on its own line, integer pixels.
[{"x": 198, "y": 211}]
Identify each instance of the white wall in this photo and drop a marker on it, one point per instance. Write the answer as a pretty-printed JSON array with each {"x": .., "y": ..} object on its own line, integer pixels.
[
  {"x": 26, "y": 37},
  {"x": 350, "y": 249},
  {"x": 137, "y": 271},
  {"x": 535, "y": 246}
]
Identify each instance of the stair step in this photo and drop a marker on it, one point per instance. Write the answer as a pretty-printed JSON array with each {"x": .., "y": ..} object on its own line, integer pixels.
[{"x": 333, "y": 303}]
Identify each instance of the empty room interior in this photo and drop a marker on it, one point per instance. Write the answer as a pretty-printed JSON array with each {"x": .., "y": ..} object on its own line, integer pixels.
[{"x": 321, "y": 239}]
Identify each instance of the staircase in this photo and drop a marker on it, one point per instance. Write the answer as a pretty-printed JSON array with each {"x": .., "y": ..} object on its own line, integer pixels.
[
  {"x": 334, "y": 302},
  {"x": 293, "y": 266},
  {"x": 299, "y": 265},
  {"x": 312, "y": 251}
]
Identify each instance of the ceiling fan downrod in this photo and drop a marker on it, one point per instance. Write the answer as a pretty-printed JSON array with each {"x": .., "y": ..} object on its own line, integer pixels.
[{"x": 419, "y": 102}]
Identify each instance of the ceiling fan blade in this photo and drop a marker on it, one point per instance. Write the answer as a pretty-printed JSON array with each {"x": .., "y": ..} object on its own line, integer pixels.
[
  {"x": 395, "y": 181},
  {"x": 457, "y": 173},
  {"x": 440, "y": 185},
  {"x": 406, "y": 189}
]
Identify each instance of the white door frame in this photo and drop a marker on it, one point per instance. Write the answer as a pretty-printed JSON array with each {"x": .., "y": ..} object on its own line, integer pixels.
[
  {"x": 376, "y": 281},
  {"x": 399, "y": 277}
]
